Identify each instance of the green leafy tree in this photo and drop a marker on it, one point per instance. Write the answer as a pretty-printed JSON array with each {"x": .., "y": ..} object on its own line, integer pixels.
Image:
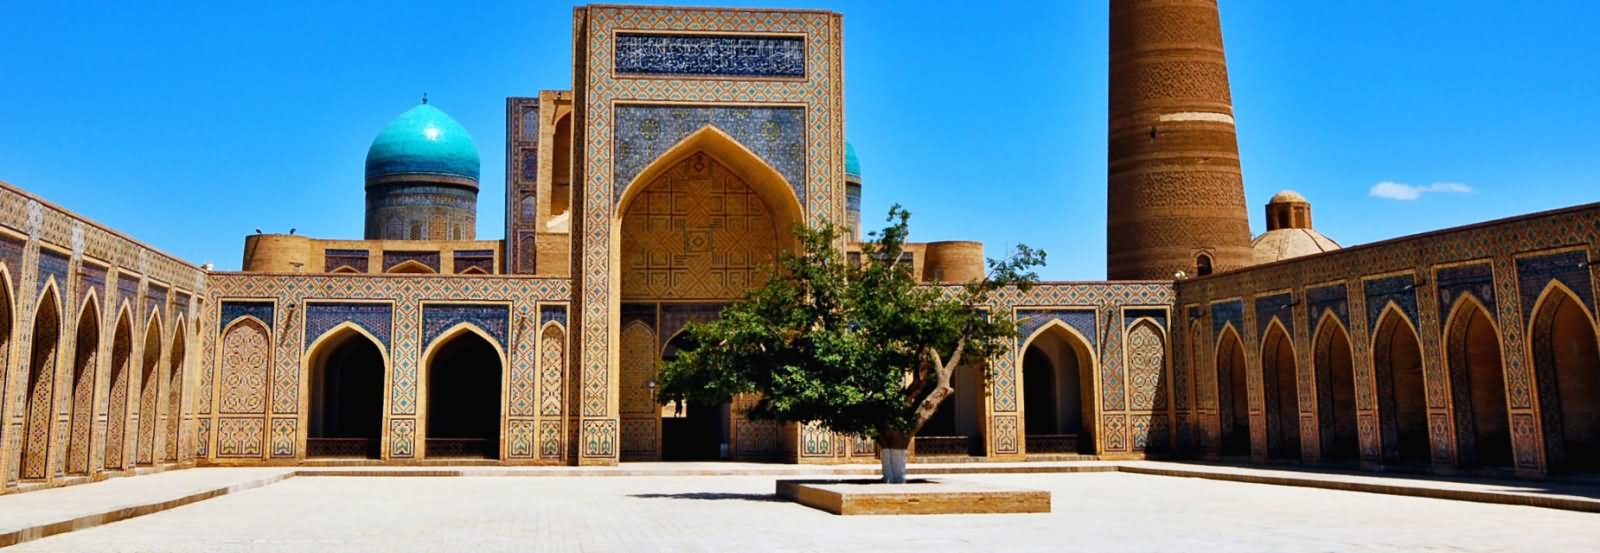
[{"x": 860, "y": 348}]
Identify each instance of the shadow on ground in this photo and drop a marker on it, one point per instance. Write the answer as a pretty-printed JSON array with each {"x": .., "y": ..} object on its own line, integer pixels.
[{"x": 713, "y": 496}]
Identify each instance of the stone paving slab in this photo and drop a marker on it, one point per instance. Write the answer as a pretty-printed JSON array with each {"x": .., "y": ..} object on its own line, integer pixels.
[
  {"x": 1532, "y": 493},
  {"x": 33, "y": 515},
  {"x": 1090, "y": 512}
]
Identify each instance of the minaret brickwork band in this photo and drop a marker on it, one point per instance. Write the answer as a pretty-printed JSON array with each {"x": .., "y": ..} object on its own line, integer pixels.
[{"x": 1174, "y": 189}]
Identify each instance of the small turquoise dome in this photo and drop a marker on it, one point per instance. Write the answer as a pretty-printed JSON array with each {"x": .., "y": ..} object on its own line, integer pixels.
[
  {"x": 423, "y": 140},
  {"x": 852, "y": 166}
]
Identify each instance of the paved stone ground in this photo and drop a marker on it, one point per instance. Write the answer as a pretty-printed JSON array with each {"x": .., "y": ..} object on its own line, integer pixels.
[{"x": 1095, "y": 512}]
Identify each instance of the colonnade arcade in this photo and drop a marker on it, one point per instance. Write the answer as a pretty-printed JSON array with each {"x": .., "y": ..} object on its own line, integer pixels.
[
  {"x": 77, "y": 419},
  {"x": 1563, "y": 348}
]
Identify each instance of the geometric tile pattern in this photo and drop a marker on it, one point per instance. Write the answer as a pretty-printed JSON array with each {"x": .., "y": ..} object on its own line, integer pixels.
[
  {"x": 375, "y": 318},
  {"x": 775, "y": 134},
  {"x": 1570, "y": 268},
  {"x": 437, "y": 318}
]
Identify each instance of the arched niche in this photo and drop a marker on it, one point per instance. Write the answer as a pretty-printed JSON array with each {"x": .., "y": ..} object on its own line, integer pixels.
[
  {"x": 1402, "y": 396},
  {"x": 465, "y": 406},
  {"x": 1233, "y": 399},
  {"x": 345, "y": 368},
  {"x": 1336, "y": 391},
  {"x": 1279, "y": 389},
  {"x": 1058, "y": 388}
]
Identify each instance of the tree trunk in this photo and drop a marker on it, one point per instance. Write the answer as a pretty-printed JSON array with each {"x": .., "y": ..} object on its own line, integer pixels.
[
  {"x": 894, "y": 465},
  {"x": 892, "y": 455}
]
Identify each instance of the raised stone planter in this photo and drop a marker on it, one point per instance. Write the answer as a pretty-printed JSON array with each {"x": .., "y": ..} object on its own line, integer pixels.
[{"x": 915, "y": 497}]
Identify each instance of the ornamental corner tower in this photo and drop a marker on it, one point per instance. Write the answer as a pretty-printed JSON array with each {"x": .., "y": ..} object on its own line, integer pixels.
[{"x": 1175, "y": 193}]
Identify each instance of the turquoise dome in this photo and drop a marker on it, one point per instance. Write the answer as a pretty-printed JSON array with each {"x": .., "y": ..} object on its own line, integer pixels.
[
  {"x": 423, "y": 141},
  {"x": 852, "y": 166}
]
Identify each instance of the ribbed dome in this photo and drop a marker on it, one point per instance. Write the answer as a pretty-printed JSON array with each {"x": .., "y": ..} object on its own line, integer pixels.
[
  {"x": 423, "y": 141},
  {"x": 1288, "y": 196},
  {"x": 852, "y": 165},
  {"x": 1285, "y": 243}
]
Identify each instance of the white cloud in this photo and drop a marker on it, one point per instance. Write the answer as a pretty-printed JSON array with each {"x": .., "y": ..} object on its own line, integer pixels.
[{"x": 1390, "y": 190}]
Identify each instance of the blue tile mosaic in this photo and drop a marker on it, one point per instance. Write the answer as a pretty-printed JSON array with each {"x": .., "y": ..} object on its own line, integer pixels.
[
  {"x": 233, "y": 310},
  {"x": 376, "y": 318},
  {"x": 1320, "y": 300},
  {"x": 493, "y": 319},
  {"x": 714, "y": 56},
  {"x": 483, "y": 260},
  {"x": 1280, "y": 306},
  {"x": 354, "y": 259},
  {"x": 1081, "y": 320},
  {"x": 91, "y": 277},
  {"x": 674, "y": 316},
  {"x": 775, "y": 134},
  {"x": 1569, "y": 268},
  {"x": 428, "y": 259},
  {"x": 642, "y": 312},
  {"x": 155, "y": 297},
  {"x": 553, "y": 313},
  {"x": 52, "y": 264},
  {"x": 1227, "y": 312},
  {"x": 128, "y": 290},
  {"x": 1398, "y": 289},
  {"x": 11, "y": 255},
  {"x": 1133, "y": 315},
  {"x": 1454, "y": 282}
]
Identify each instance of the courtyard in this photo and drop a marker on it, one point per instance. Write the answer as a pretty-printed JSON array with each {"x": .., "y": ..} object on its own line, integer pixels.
[{"x": 1108, "y": 511}]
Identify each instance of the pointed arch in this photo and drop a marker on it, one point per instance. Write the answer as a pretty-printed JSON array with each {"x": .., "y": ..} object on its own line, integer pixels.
[
  {"x": 1334, "y": 369},
  {"x": 1566, "y": 359},
  {"x": 149, "y": 389},
  {"x": 244, "y": 358},
  {"x": 639, "y": 357},
  {"x": 177, "y": 358},
  {"x": 1148, "y": 369},
  {"x": 346, "y": 367},
  {"x": 1233, "y": 392},
  {"x": 1402, "y": 396},
  {"x": 1279, "y": 380},
  {"x": 776, "y": 191},
  {"x": 552, "y": 366},
  {"x": 39, "y": 390},
  {"x": 410, "y": 266},
  {"x": 118, "y": 389},
  {"x": 474, "y": 271},
  {"x": 1473, "y": 357},
  {"x": 81, "y": 385},
  {"x": 346, "y": 269},
  {"x": 466, "y": 411},
  {"x": 1058, "y": 373}
]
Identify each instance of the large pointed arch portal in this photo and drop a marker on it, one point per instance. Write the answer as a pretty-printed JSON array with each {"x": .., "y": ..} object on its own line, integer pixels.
[{"x": 698, "y": 227}]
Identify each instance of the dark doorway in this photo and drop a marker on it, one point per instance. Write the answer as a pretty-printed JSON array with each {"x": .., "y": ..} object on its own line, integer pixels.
[
  {"x": 1477, "y": 376},
  {"x": 346, "y": 398},
  {"x": 1336, "y": 394},
  {"x": 1234, "y": 401},
  {"x": 464, "y": 398},
  {"x": 1283, "y": 401},
  {"x": 1565, "y": 352},
  {"x": 1397, "y": 357},
  {"x": 692, "y": 431}
]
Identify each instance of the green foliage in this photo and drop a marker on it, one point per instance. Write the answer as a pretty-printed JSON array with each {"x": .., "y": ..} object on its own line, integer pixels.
[{"x": 856, "y": 347}]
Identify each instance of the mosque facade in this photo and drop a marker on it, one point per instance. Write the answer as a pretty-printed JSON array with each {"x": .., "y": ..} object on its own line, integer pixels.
[{"x": 661, "y": 187}]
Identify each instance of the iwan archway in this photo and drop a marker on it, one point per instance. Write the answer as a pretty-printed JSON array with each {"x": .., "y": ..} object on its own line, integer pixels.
[
  {"x": 346, "y": 368},
  {"x": 465, "y": 371},
  {"x": 1057, "y": 378},
  {"x": 696, "y": 229}
]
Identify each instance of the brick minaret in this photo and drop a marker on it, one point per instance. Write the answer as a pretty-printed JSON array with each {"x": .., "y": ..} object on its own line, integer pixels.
[{"x": 1175, "y": 195}]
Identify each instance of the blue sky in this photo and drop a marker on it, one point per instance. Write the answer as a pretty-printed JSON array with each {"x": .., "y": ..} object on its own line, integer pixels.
[{"x": 190, "y": 124}]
